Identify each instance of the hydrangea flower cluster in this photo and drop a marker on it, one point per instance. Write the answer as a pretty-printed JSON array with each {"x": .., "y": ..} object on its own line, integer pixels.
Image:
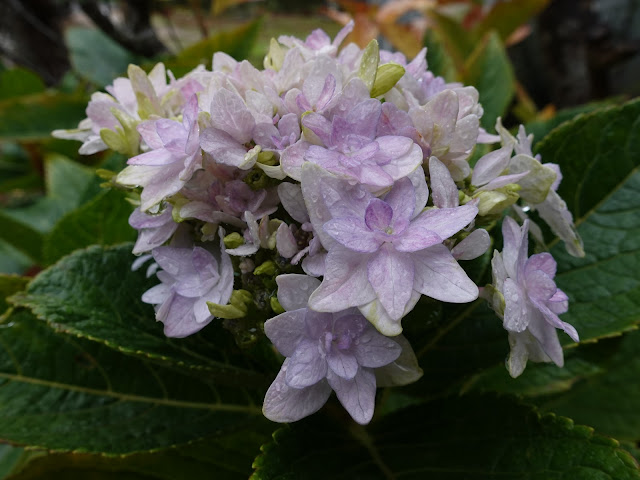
[{"x": 338, "y": 177}]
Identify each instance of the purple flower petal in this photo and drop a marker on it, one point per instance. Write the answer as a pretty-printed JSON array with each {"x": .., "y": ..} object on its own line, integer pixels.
[
  {"x": 374, "y": 350},
  {"x": 286, "y": 330},
  {"x": 357, "y": 396},
  {"x": 516, "y": 312},
  {"x": 342, "y": 363},
  {"x": 391, "y": 273},
  {"x": 443, "y": 188},
  {"x": 285, "y": 404},
  {"x": 402, "y": 200},
  {"x": 306, "y": 366},
  {"x": 378, "y": 215},
  {"x": 474, "y": 245},
  {"x": 345, "y": 282},
  {"x": 491, "y": 165},
  {"x": 294, "y": 290},
  {"x": 445, "y": 221},
  {"x": 350, "y": 232},
  {"x": 438, "y": 275},
  {"x": 230, "y": 115}
]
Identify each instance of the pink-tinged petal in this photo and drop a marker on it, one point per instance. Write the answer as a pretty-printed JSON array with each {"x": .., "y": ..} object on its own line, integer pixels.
[
  {"x": 147, "y": 131},
  {"x": 306, "y": 366},
  {"x": 292, "y": 159},
  {"x": 403, "y": 370},
  {"x": 378, "y": 215},
  {"x": 474, "y": 245},
  {"x": 314, "y": 265},
  {"x": 329, "y": 159},
  {"x": 491, "y": 165},
  {"x": 286, "y": 330},
  {"x": 285, "y": 404},
  {"x": 180, "y": 321},
  {"x": 416, "y": 238},
  {"x": 290, "y": 195},
  {"x": 500, "y": 182},
  {"x": 516, "y": 313},
  {"x": 319, "y": 125},
  {"x": 514, "y": 252},
  {"x": 547, "y": 337},
  {"x": 223, "y": 147},
  {"x": 158, "y": 294},
  {"x": 162, "y": 182},
  {"x": 170, "y": 131},
  {"x": 289, "y": 125},
  {"x": 402, "y": 200},
  {"x": 294, "y": 290},
  {"x": 553, "y": 319},
  {"x": 540, "y": 287},
  {"x": 140, "y": 220},
  {"x": 342, "y": 34},
  {"x": 391, "y": 273},
  {"x": 353, "y": 234},
  {"x": 153, "y": 158},
  {"x": 402, "y": 166},
  {"x": 445, "y": 222},
  {"x": 541, "y": 261},
  {"x": 345, "y": 282},
  {"x": 421, "y": 190},
  {"x": 393, "y": 147},
  {"x": 230, "y": 114},
  {"x": 363, "y": 119},
  {"x": 343, "y": 364},
  {"x": 394, "y": 121},
  {"x": 285, "y": 241},
  {"x": 374, "y": 350},
  {"x": 358, "y": 395},
  {"x": 559, "y": 302},
  {"x": 438, "y": 275},
  {"x": 484, "y": 137},
  {"x": 327, "y": 196},
  {"x": 264, "y": 133},
  {"x": 443, "y": 189}
]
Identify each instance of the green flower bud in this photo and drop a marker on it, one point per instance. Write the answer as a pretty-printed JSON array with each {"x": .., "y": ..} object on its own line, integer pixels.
[
  {"x": 233, "y": 240},
  {"x": 386, "y": 78}
]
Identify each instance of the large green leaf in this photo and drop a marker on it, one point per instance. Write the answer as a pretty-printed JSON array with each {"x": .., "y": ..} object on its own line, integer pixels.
[
  {"x": 68, "y": 185},
  {"x": 94, "y": 294},
  {"x": 609, "y": 400},
  {"x": 225, "y": 457},
  {"x": 454, "y": 438},
  {"x": 102, "y": 220},
  {"x": 12, "y": 260},
  {"x": 236, "y": 42},
  {"x": 70, "y": 394},
  {"x": 34, "y": 117},
  {"x": 489, "y": 70},
  {"x": 96, "y": 57}
]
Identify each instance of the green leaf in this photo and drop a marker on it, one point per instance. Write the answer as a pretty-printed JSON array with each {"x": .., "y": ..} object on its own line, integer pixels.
[
  {"x": 96, "y": 57},
  {"x": 12, "y": 260},
  {"x": 439, "y": 60},
  {"x": 103, "y": 221},
  {"x": 599, "y": 155},
  {"x": 489, "y": 70},
  {"x": 69, "y": 394},
  {"x": 541, "y": 128},
  {"x": 608, "y": 400},
  {"x": 226, "y": 457},
  {"x": 236, "y": 42},
  {"x": 505, "y": 17},
  {"x": 19, "y": 81},
  {"x": 455, "y": 438},
  {"x": 10, "y": 284},
  {"x": 34, "y": 117},
  {"x": 68, "y": 185},
  {"x": 94, "y": 294}
]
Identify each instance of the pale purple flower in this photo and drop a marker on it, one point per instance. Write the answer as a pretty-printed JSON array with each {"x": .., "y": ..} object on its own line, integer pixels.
[
  {"x": 384, "y": 252},
  {"x": 190, "y": 278},
  {"x": 318, "y": 42},
  {"x": 353, "y": 150},
  {"x": 329, "y": 351},
  {"x": 174, "y": 157},
  {"x": 153, "y": 230},
  {"x": 528, "y": 300}
]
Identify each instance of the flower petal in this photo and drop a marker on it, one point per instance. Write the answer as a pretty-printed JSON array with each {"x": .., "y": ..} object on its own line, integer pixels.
[
  {"x": 357, "y": 395},
  {"x": 306, "y": 366},
  {"x": 286, "y": 331},
  {"x": 285, "y": 404},
  {"x": 390, "y": 273},
  {"x": 294, "y": 290}
]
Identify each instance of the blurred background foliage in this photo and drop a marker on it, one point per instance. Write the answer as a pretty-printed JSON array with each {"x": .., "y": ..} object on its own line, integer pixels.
[{"x": 538, "y": 62}]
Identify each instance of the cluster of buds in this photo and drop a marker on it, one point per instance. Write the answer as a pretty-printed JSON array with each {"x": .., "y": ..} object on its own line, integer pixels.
[{"x": 328, "y": 192}]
